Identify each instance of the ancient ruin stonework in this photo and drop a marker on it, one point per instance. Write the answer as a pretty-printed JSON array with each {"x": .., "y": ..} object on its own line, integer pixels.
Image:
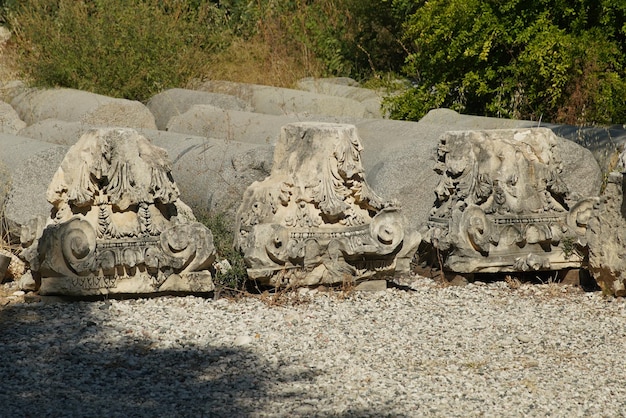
[
  {"x": 117, "y": 224},
  {"x": 606, "y": 236},
  {"x": 315, "y": 219},
  {"x": 501, "y": 205}
]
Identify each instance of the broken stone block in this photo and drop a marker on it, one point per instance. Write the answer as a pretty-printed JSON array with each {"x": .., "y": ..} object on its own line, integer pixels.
[
  {"x": 502, "y": 206},
  {"x": 605, "y": 236},
  {"x": 315, "y": 220},
  {"x": 117, "y": 223}
]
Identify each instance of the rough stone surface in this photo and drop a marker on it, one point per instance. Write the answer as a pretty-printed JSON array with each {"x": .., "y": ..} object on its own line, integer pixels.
[
  {"x": 605, "y": 143},
  {"x": 212, "y": 174},
  {"x": 80, "y": 106},
  {"x": 315, "y": 219},
  {"x": 213, "y": 122},
  {"x": 26, "y": 167},
  {"x": 605, "y": 236},
  {"x": 371, "y": 99},
  {"x": 173, "y": 102},
  {"x": 405, "y": 156},
  {"x": 501, "y": 204},
  {"x": 117, "y": 224},
  {"x": 11, "y": 88},
  {"x": 281, "y": 101},
  {"x": 56, "y": 131},
  {"x": 10, "y": 122}
]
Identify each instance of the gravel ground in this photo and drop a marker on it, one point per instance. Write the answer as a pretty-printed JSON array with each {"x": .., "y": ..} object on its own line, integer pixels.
[{"x": 427, "y": 350}]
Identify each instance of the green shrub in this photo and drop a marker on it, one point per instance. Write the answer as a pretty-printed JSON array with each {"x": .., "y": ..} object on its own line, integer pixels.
[
  {"x": 129, "y": 49},
  {"x": 356, "y": 38},
  {"x": 223, "y": 233},
  {"x": 538, "y": 59}
]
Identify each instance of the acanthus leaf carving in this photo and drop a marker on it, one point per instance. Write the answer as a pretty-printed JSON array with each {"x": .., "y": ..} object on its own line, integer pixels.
[
  {"x": 500, "y": 197},
  {"x": 332, "y": 228},
  {"x": 115, "y": 223}
]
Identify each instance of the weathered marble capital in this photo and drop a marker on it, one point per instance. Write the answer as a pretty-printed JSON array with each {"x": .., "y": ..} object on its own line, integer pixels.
[
  {"x": 315, "y": 219},
  {"x": 502, "y": 206},
  {"x": 117, "y": 223},
  {"x": 606, "y": 235}
]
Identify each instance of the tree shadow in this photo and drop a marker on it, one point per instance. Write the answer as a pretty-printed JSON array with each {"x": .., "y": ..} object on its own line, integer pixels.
[{"x": 55, "y": 364}]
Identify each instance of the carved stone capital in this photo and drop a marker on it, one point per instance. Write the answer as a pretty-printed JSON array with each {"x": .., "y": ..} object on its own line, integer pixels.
[
  {"x": 115, "y": 225},
  {"x": 501, "y": 205},
  {"x": 315, "y": 219}
]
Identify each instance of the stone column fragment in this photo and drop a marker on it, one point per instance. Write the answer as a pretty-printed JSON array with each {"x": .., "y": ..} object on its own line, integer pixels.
[
  {"x": 501, "y": 204},
  {"x": 315, "y": 219},
  {"x": 606, "y": 236},
  {"x": 117, "y": 223}
]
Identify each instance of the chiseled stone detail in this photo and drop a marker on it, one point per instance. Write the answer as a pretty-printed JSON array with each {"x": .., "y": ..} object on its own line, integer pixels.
[
  {"x": 606, "y": 235},
  {"x": 117, "y": 224},
  {"x": 502, "y": 206},
  {"x": 315, "y": 219}
]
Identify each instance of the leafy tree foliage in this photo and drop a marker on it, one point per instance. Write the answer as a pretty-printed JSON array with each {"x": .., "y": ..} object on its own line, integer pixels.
[
  {"x": 551, "y": 60},
  {"x": 554, "y": 60}
]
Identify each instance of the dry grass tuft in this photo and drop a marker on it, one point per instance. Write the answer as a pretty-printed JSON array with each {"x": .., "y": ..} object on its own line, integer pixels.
[
  {"x": 8, "y": 64},
  {"x": 257, "y": 62}
]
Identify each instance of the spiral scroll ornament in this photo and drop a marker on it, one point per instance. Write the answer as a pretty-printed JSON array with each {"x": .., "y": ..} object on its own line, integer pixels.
[{"x": 78, "y": 244}]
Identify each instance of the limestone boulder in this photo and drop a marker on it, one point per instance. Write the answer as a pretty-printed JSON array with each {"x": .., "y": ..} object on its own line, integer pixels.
[
  {"x": 9, "y": 89},
  {"x": 56, "y": 131},
  {"x": 212, "y": 174},
  {"x": 10, "y": 122},
  {"x": 281, "y": 101},
  {"x": 371, "y": 99},
  {"x": 72, "y": 105},
  {"x": 213, "y": 122},
  {"x": 340, "y": 88},
  {"x": 175, "y": 102},
  {"x": 605, "y": 143}
]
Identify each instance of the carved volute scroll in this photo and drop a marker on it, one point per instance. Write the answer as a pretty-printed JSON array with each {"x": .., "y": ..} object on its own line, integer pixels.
[
  {"x": 117, "y": 224},
  {"x": 501, "y": 204},
  {"x": 315, "y": 219}
]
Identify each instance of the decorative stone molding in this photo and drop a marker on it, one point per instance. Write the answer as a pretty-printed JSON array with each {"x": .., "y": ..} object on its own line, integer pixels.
[
  {"x": 501, "y": 205},
  {"x": 605, "y": 236},
  {"x": 315, "y": 219},
  {"x": 117, "y": 223}
]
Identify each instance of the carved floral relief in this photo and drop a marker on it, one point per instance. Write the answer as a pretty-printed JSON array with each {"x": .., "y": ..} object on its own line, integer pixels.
[
  {"x": 315, "y": 219},
  {"x": 117, "y": 224},
  {"x": 501, "y": 205},
  {"x": 606, "y": 236}
]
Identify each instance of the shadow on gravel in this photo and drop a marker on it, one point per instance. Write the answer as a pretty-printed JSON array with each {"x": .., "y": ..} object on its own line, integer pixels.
[{"x": 55, "y": 364}]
